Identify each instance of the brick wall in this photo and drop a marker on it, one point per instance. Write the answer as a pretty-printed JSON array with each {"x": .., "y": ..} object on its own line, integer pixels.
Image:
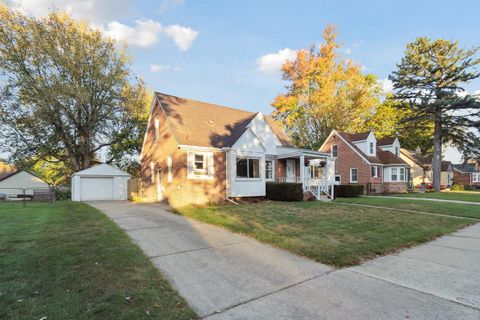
[{"x": 181, "y": 191}]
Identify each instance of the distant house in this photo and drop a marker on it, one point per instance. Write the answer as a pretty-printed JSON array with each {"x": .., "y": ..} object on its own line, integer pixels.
[
  {"x": 362, "y": 159},
  {"x": 466, "y": 174},
  {"x": 197, "y": 152},
  {"x": 14, "y": 184},
  {"x": 421, "y": 168}
]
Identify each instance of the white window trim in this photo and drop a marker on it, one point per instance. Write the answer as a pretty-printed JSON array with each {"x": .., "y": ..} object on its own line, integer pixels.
[
  {"x": 273, "y": 170},
  {"x": 208, "y": 158},
  {"x": 248, "y": 158},
  {"x": 376, "y": 171},
  {"x": 351, "y": 180},
  {"x": 339, "y": 181},
  {"x": 475, "y": 177},
  {"x": 170, "y": 169},
  {"x": 152, "y": 172},
  {"x": 400, "y": 174},
  {"x": 397, "y": 174},
  {"x": 331, "y": 150},
  {"x": 371, "y": 147}
]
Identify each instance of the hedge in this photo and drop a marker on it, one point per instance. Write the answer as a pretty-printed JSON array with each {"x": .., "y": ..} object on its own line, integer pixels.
[
  {"x": 348, "y": 190},
  {"x": 284, "y": 191}
]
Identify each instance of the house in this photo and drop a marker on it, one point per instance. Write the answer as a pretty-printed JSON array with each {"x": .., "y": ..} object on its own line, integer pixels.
[
  {"x": 362, "y": 159},
  {"x": 467, "y": 173},
  {"x": 197, "y": 152},
  {"x": 421, "y": 168},
  {"x": 14, "y": 184}
]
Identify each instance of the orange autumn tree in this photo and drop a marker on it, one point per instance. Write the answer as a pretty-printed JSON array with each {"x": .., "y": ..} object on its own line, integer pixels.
[{"x": 325, "y": 92}]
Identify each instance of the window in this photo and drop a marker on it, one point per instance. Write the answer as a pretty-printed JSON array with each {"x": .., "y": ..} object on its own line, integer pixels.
[
  {"x": 371, "y": 148},
  {"x": 353, "y": 175},
  {"x": 334, "y": 151},
  {"x": 152, "y": 172},
  {"x": 170, "y": 171},
  {"x": 374, "y": 172},
  {"x": 248, "y": 168},
  {"x": 338, "y": 179},
  {"x": 475, "y": 177},
  {"x": 394, "y": 175},
  {"x": 269, "y": 169},
  {"x": 396, "y": 151},
  {"x": 157, "y": 129},
  {"x": 200, "y": 164},
  {"x": 402, "y": 174}
]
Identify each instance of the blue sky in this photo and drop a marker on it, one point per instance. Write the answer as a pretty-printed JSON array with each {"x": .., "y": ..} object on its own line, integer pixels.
[{"x": 211, "y": 50}]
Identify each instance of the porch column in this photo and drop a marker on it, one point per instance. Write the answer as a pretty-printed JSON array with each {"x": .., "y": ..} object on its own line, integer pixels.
[{"x": 302, "y": 171}]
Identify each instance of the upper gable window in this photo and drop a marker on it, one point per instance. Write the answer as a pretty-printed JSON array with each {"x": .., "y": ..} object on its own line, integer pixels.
[
  {"x": 372, "y": 148},
  {"x": 396, "y": 151},
  {"x": 157, "y": 129},
  {"x": 334, "y": 151}
]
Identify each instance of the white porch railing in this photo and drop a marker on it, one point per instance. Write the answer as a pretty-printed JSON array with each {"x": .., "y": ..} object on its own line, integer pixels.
[
  {"x": 289, "y": 179},
  {"x": 317, "y": 187}
]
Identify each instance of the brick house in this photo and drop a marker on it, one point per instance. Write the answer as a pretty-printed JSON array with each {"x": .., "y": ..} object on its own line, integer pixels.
[
  {"x": 196, "y": 152},
  {"x": 467, "y": 174},
  {"x": 362, "y": 159}
]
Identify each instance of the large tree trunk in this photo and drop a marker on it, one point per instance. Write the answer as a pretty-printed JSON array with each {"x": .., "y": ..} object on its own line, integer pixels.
[{"x": 437, "y": 152}]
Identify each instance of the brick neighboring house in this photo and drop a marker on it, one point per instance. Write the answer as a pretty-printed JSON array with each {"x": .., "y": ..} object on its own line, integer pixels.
[
  {"x": 421, "y": 168},
  {"x": 196, "y": 152},
  {"x": 362, "y": 159},
  {"x": 467, "y": 174}
]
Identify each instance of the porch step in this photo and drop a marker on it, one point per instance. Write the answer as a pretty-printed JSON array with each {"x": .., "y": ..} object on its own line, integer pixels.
[
  {"x": 324, "y": 197},
  {"x": 308, "y": 196}
]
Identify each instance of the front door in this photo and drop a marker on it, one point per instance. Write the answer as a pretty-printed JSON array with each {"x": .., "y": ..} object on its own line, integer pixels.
[
  {"x": 290, "y": 171},
  {"x": 159, "y": 185}
]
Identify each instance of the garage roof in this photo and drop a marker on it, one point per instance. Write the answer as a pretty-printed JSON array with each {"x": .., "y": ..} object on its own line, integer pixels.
[{"x": 104, "y": 170}]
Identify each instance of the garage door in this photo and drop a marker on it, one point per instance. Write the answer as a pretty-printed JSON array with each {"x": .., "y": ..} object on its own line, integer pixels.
[{"x": 96, "y": 189}]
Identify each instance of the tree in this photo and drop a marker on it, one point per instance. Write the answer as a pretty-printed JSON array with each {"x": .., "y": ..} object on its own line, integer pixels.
[
  {"x": 389, "y": 119},
  {"x": 325, "y": 92},
  {"x": 66, "y": 91},
  {"x": 429, "y": 81}
]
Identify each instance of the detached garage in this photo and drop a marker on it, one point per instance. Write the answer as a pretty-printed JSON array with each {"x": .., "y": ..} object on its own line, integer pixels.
[{"x": 102, "y": 182}]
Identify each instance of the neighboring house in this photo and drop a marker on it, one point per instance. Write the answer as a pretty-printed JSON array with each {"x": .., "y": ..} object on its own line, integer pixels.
[
  {"x": 6, "y": 169},
  {"x": 466, "y": 174},
  {"x": 196, "y": 152},
  {"x": 421, "y": 168},
  {"x": 362, "y": 159},
  {"x": 13, "y": 184}
]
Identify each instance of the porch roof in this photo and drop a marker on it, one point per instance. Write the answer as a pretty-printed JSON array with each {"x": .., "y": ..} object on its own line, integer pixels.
[{"x": 289, "y": 152}]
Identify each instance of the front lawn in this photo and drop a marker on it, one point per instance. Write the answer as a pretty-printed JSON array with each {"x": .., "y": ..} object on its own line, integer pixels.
[
  {"x": 452, "y": 209},
  {"x": 71, "y": 262},
  {"x": 471, "y": 196},
  {"x": 330, "y": 233}
]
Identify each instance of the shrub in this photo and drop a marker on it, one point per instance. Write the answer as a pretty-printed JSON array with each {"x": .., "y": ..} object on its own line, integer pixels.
[
  {"x": 348, "y": 190},
  {"x": 284, "y": 191},
  {"x": 457, "y": 187},
  {"x": 63, "y": 194}
]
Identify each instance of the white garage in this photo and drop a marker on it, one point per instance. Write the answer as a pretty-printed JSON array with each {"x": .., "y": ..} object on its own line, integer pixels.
[{"x": 101, "y": 182}]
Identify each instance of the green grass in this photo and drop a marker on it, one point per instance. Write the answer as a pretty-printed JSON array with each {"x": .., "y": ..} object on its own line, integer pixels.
[
  {"x": 330, "y": 233},
  {"x": 471, "y": 196},
  {"x": 71, "y": 262},
  {"x": 452, "y": 209}
]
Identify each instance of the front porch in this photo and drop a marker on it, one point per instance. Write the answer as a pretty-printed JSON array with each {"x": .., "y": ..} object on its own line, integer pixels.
[{"x": 314, "y": 170}]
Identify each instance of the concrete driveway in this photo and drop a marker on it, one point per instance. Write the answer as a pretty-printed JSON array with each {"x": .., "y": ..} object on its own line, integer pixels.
[{"x": 223, "y": 275}]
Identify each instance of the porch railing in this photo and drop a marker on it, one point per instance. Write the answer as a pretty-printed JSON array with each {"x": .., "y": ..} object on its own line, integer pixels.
[
  {"x": 295, "y": 179},
  {"x": 316, "y": 186}
]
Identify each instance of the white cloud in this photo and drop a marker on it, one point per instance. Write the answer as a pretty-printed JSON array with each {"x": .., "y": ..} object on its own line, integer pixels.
[
  {"x": 387, "y": 86},
  {"x": 144, "y": 34},
  {"x": 182, "y": 36},
  {"x": 160, "y": 67},
  {"x": 273, "y": 62},
  {"x": 105, "y": 14}
]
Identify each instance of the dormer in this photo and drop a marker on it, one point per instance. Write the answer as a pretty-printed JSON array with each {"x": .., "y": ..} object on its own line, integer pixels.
[
  {"x": 365, "y": 142},
  {"x": 391, "y": 144}
]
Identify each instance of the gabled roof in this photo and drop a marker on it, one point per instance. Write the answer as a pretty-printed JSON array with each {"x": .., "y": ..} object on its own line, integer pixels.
[
  {"x": 20, "y": 171},
  {"x": 382, "y": 157},
  {"x": 103, "y": 169},
  {"x": 424, "y": 159},
  {"x": 465, "y": 167},
  {"x": 204, "y": 124},
  {"x": 386, "y": 141}
]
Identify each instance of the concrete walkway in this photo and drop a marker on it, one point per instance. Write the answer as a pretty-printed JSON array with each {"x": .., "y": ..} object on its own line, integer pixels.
[
  {"x": 227, "y": 276},
  {"x": 426, "y": 199}
]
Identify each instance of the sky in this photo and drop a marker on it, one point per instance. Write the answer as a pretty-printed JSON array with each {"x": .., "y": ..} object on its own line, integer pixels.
[{"x": 230, "y": 52}]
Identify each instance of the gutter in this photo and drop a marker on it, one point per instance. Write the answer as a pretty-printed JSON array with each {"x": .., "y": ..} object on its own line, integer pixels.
[{"x": 227, "y": 150}]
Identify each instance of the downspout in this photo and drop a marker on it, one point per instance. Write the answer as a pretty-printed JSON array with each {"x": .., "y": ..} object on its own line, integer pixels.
[{"x": 227, "y": 176}]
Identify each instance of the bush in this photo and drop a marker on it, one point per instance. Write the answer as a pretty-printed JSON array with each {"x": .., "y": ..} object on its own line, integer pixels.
[
  {"x": 284, "y": 191},
  {"x": 457, "y": 187},
  {"x": 348, "y": 190},
  {"x": 63, "y": 194}
]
